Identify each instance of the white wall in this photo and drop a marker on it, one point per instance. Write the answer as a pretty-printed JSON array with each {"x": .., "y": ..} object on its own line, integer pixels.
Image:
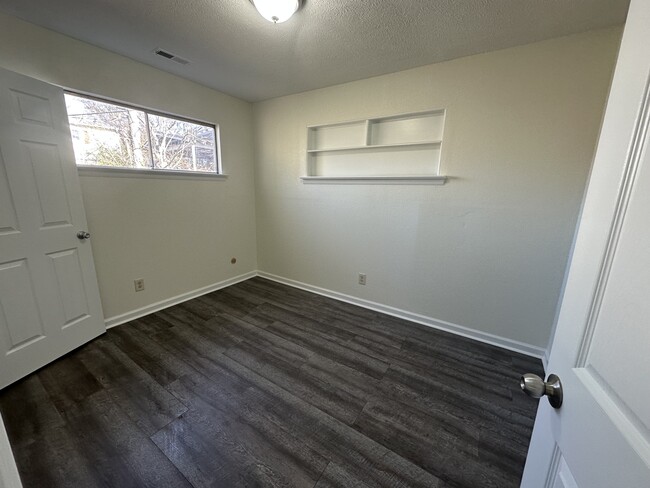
[
  {"x": 179, "y": 235},
  {"x": 487, "y": 250}
]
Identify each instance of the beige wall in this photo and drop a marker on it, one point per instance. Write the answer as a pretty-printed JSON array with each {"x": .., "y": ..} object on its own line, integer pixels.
[
  {"x": 487, "y": 250},
  {"x": 179, "y": 235}
]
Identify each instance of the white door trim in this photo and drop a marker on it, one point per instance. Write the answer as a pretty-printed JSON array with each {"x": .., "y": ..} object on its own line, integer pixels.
[{"x": 9, "y": 477}]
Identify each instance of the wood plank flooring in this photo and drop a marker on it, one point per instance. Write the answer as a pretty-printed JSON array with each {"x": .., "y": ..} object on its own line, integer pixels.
[{"x": 265, "y": 385}]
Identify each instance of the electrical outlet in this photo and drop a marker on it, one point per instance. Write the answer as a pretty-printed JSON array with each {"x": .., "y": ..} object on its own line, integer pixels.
[
  {"x": 362, "y": 278},
  {"x": 139, "y": 284}
]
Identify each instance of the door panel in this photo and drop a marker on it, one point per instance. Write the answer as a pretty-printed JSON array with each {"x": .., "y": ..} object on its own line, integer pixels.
[
  {"x": 45, "y": 164},
  {"x": 19, "y": 316},
  {"x": 30, "y": 108},
  {"x": 626, "y": 303},
  {"x": 8, "y": 218},
  {"x": 70, "y": 284},
  {"x": 564, "y": 478},
  {"x": 49, "y": 298}
]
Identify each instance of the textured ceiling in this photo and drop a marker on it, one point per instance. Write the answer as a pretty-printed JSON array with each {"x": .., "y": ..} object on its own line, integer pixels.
[{"x": 233, "y": 49}]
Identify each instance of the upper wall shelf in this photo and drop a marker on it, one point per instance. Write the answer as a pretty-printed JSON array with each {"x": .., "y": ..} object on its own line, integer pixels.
[{"x": 383, "y": 148}]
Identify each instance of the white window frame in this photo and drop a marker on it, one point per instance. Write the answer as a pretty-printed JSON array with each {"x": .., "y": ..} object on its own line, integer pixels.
[{"x": 151, "y": 172}]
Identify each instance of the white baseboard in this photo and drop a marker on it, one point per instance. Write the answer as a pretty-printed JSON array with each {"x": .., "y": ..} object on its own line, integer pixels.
[
  {"x": 183, "y": 297},
  {"x": 520, "y": 347},
  {"x": 460, "y": 330}
]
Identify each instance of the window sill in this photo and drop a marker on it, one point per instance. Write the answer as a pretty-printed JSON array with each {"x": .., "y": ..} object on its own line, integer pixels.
[
  {"x": 375, "y": 180},
  {"x": 147, "y": 173}
]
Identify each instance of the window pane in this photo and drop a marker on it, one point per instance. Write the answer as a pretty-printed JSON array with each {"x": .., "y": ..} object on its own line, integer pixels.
[
  {"x": 182, "y": 146},
  {"x": 108, "y": 134},
  {"x": 104, "y": 134}
]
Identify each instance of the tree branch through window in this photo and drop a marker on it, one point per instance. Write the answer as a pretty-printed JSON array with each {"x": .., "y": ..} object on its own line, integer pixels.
[{"x": 107, "y": 134}]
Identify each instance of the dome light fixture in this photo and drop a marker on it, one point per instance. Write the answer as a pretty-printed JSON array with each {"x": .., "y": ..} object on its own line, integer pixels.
[{"x": 276, "y": 11}]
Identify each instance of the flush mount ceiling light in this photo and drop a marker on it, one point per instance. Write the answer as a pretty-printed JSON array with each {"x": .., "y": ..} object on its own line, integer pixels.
[{"x": 276, "y": 11}]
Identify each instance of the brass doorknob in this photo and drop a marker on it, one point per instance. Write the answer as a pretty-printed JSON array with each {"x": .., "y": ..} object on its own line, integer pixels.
[{"x": 534, "y": 386}]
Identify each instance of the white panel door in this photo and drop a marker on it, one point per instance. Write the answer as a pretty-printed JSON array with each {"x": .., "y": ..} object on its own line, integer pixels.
[
  {"x": 49, "y": 300},
  {"x": 600, "y": 437}
]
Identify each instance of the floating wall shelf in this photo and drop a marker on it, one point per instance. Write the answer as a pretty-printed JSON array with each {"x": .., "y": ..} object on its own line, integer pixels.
[{"x": 395, "y": 149}]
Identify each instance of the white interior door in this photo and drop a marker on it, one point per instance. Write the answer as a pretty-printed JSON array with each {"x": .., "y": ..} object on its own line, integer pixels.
[
  {"x": 600, "y": 437},
  {"x": 49, "y": 299}
]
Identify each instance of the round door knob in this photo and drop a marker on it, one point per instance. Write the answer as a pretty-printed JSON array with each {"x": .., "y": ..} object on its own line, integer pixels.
[
  {"x": 534, "y": 386},
  {"x": 82, "y": 235}
]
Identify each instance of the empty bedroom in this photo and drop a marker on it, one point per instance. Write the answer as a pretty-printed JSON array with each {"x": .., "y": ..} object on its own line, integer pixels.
[{"x": 324, "y": 243}]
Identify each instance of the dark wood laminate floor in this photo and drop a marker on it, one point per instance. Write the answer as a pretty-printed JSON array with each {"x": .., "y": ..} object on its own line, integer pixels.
[{"x": 261, "y": 384}]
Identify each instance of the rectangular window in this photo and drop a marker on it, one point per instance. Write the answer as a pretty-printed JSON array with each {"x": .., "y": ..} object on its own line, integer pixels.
[{"x": 113, "y": 135}]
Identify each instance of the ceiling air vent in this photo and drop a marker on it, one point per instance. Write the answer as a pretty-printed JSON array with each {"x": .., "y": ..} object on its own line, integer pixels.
[{"x": 170, "y": 56}]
